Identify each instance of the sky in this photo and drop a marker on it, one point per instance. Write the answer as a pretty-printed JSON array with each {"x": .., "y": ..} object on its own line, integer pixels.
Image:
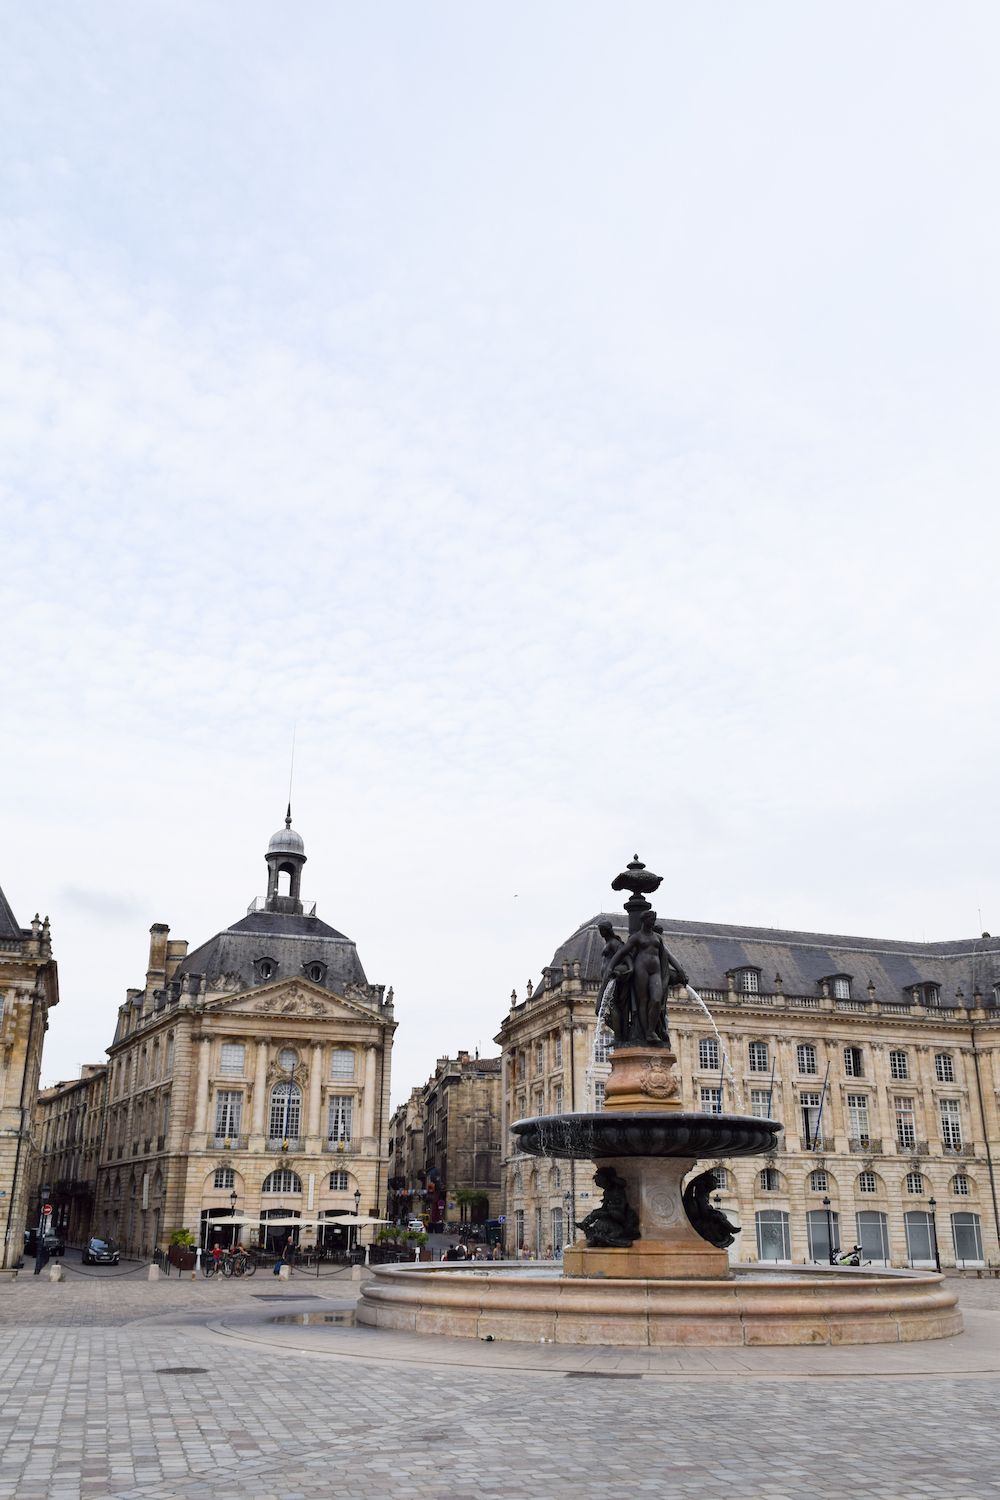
[{"x": 576, "y": 423}]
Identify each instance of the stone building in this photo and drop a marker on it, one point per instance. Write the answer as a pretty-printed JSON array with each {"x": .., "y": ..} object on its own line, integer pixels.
[
  {"x": 29, "y": 987},
  {"x": 880, "y": 1058},
  {"x": 249, "y": 1079},
  {"x": 455, "y": 1121},
  {"x": 68, "y": 1120}
]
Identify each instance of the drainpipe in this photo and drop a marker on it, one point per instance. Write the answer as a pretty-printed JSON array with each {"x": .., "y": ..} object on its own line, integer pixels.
[{"x": 986, "y": 1134}]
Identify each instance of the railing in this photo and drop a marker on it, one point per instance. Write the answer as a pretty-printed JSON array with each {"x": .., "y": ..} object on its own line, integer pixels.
[
  {"x": 259, "y": 903},
  {"x": 855, "y": 1005},
  {"x": 340, "y": 1146},
  {"x": 957, "y": 1150},
  {"x": 865, "y": 1145},
  {"x": 283, "y": 1142},
  {"x": 239, "y": 1142}
]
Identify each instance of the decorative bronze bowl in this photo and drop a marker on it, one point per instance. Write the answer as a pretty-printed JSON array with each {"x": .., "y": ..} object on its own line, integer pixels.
[{"x": 621, "y": 1133}]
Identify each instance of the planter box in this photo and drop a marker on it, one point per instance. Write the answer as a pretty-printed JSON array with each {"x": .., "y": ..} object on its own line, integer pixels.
[{"x": 181, "y": 1257}]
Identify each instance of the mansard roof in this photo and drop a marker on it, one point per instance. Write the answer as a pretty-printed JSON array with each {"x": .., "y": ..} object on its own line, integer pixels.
[
  {"x": 9, "y": 930},
  {"x": 288, "y": 939},
  {"x": 710, "y": 951}
]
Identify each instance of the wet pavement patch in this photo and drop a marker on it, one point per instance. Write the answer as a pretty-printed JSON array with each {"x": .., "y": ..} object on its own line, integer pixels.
[
  {"x": 182, "y": 1370},
  {"x": 600, "y": 1375}
]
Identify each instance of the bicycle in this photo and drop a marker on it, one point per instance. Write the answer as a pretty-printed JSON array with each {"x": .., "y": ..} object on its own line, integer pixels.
[
  {"x": 238, "y": 1265},
  {"x": 209, "y": 1266}
]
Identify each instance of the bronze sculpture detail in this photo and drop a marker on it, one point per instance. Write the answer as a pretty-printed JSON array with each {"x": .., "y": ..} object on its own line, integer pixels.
[{"x": 614, "y": 1225}]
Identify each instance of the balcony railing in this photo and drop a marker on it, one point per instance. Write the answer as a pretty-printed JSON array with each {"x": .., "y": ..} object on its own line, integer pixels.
[
  {"x": 339, "y": 1146},
  {"x": 952, "y": 1150},
  {"x": 283, "y": 1142},
  {"x": 865, "y": 1145},
  {"x": 233, "y": 1142}
]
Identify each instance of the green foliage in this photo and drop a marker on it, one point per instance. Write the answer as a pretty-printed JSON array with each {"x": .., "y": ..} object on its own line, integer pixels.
[{"x": 182, "y": 1237}]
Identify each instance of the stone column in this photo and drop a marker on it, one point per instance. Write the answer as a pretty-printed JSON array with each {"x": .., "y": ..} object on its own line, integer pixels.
[
  {"x": 315, "y": 1086},
  {"x": 201, "y": 1086},
  {"x": 368, "y": 1098},
  {"x": 260, "y": 1088}
]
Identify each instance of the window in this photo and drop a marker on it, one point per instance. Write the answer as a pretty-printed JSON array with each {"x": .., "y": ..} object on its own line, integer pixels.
[
  {"x": 603, "y": 1045},
  {"x": 232, "y": 1058},
  {"x": 517, "y": 1182},
  {"x": 282, "y": 1181},
  {"x": 819, "y": 1182},
  {"x": 518, "y": 1229},
  {"x": 555, "y": 1180},
  {"x": 805, "y": 1057},
  {"x": 228, "y": 1108},
  {"x": 899, "y": 1066},
  {"x": 599, "y": 1095},
  {"x": 539, "y": 1102},
  {"x": 556, "y": 1227},
  {"x": 760, "y": 1103},
  {"x": 914, "y": 1184},
  {"x": 927, "y": 994},
  {"x": 810, "y": 1105},
  {"x": 758, "y": 1057},
  {"x": 539, "y": 1058},
  {"x": 557, "y": 1050},
  {"x": 342, "y": 1063},
  {"x": 873, "y": 1235},
  {"x": 857, "y": 1118},
  {"x": 967, "y": 1236},
  {"x": 711, "y": 1101},
  {"x": 960, "y": 1185},
  {"x": 285, "y": 1113},
  {"x": 854, "y": 1064},
  {"x": 770, "y": 1180},
  {"x": 264, "y": 969},
  {"x": 169, "y": 1066},
  {"x": 721, "y": 1179},
  {"x": 338, "y": 1182},
  {"x": 819, "y": 1227},
  {"x": 538, "y": 1233},
  {"x": 557, "y": 1098},
  {"x": 773, "y": 1239},
  {"x": 520, "y": 1066},
  {"x": 708, "y": 1053},
  {"x": 919, "y": 1237},
  {"x": 339, "y": 1116},
  {"x": 316, "y": 972},
  {"x": 867, "y": 1182},
  {"x": 748, "y": 980},
  {"x": 944, "y": 1067},
  {"x": 287, "y": 1058},
  {"x": 951, "y": 1125},
  {"x": 224, "y": 1177},
  {"x": 842, "y": 987},
  {"x": 906, "y": 1131}
]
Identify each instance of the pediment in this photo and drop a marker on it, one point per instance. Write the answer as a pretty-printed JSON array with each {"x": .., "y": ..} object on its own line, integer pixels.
[{"x": 292, "y": 997}]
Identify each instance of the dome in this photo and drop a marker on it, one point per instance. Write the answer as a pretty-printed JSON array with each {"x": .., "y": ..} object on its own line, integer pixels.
[{"x": 286, "y": 841}]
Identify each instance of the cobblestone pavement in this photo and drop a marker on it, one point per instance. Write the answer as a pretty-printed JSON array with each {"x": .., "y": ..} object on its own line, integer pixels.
[{"x": 93, "y": 1403}]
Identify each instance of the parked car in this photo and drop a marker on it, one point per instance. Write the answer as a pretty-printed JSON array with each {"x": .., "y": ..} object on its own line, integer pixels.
[
  {"x": 100, "y": 1253},
  {"x": 53, "y": 1242},
  {"x": 417, "y": 1225}
]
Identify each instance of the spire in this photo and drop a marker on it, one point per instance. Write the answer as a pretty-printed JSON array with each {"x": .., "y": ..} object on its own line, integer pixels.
[
  {"x": 288, "y": 815},
  {"x": 286, "y": 854}
]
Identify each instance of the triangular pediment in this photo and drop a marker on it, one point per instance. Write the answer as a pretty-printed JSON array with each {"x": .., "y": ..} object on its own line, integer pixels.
[{"x": 292, "y": 997}]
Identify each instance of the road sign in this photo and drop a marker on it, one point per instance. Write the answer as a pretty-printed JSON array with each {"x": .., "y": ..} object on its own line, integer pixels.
[{"x": 46, "y": 1208}]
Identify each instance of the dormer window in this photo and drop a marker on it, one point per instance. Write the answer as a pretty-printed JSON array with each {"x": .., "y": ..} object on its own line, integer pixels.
[
  {"x": 841, "y": 987},
  {"x": 747, "y": 981},
  {"x": 315, "y": 971},
  {"x": 264, "y": 969},
  {"x": 926, "y": 994}
]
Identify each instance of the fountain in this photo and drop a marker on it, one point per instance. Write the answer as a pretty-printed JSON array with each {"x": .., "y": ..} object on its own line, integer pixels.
[{"x": 654, "y": 1268}]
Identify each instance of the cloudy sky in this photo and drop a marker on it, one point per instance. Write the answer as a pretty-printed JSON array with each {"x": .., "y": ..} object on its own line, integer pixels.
[{"x": 579, "y": 420}]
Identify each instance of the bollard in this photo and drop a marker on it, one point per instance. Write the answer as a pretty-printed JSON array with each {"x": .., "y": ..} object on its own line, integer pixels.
[
  {"x": 197, "y": 1263},
  {"x": 56, "y": 1272},
  {"x": 285, "y": 1273},
  {"x": 154, "y": 1273}
]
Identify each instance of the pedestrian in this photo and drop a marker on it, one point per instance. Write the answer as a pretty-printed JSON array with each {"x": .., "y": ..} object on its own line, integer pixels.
[
  {"x": 498, "y": 1251},
  {"x": 217, "y": 1254}
]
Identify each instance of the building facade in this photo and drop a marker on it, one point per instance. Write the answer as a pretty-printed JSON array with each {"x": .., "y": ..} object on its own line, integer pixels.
[
  {"x": 248, "y": 1081},
  {"x": 880, "y": 1059},
  {"x": 68, "y": 1121},
  {"x": 447, "y": 1144},
  {"x": 29, "y": 988}
]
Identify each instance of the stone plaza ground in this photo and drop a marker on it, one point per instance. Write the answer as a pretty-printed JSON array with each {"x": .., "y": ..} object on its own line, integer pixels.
[{"x": 114, "y": 1386}]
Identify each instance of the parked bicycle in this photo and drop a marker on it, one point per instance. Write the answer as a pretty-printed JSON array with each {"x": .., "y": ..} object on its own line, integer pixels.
[{"x": 238, "y": 1263}]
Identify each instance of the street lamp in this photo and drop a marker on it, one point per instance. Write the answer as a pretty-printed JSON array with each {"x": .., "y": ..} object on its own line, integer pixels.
[
  {"x": 932, "y": 1203},
  {"x": 357, "y": 1215},
  {"x": 829, "y": 1229}
]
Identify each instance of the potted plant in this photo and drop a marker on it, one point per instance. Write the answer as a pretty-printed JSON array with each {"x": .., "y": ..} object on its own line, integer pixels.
[{"x": 180, "y": 1252}]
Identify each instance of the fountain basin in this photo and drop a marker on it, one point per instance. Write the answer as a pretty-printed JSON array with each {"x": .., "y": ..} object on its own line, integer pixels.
[
  {"x": 814, "y": 1305},
  {"x": 689, "y": 1133}
]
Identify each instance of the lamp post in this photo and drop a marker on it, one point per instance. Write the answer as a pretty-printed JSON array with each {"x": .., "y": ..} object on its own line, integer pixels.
[
  {"x": 357, "y": 1215},
  {"x": 829, "y": 1229},
  {"x": 932, "y": 1204}
]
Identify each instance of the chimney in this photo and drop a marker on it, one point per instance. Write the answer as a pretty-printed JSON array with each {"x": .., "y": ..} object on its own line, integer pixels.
[{"x": 156, "y": 972}]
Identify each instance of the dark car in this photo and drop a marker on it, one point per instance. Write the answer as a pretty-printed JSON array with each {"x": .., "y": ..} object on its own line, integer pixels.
[
  {"x": 100, "y": 1253},
  {"x": 53, "y": 1243}
]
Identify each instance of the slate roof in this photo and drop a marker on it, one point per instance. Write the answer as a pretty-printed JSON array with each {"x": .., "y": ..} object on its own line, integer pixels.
[
  {"x": 289, "y": 940},
  {"x": 9, "y": 930},
  {"x": 709, "y": 950}
]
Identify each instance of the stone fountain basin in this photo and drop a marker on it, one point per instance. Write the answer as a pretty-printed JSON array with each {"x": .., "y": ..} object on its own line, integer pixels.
[
  {"x": 814, "y": 1305},
  {"x": 618, "y": 1133}
]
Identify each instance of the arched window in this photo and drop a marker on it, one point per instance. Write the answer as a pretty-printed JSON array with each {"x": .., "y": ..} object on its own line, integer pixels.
[
  {"x": 773, "y": 1238},
  {"x": 960, "y": 1185},
  {"x": 770, "y": 1180},
  {"x": 282, "y": 1181},
  {"x": 721, "y": 1179},
  {"x": 315, "y": 971},
  {"x": 224, "y": 1177},
  {"x": 603, "y": 1045},
  {"x": 819, "y": 1181},
  {"x": 264, "y": 969},
  {"x": 285, "y": 1114},
  {"x": 944, "y": 1067},
  {"x": 867, "y": 1182},
  {"x": 805, "y": 1057},
  {"x": 517, "y": 1182},
  {"x": 914, "y": 1184}
]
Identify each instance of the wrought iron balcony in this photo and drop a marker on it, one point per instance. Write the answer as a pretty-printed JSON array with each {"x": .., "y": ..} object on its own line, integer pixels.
[
  {"x": 340, "y": 1146},
  {"x": 234, "y": 1142},
  {"x": 865, "y": 1145}
]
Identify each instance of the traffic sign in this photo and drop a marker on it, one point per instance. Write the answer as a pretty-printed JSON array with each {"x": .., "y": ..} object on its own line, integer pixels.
[{"x": 46, "y": 1208}]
